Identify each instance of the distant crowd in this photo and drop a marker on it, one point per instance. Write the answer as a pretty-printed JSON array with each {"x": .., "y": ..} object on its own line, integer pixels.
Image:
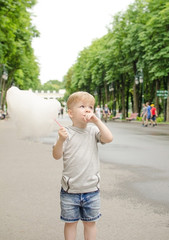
[
  {"x": 149, "y": 115},
  {"x": 105, "y": 112}
]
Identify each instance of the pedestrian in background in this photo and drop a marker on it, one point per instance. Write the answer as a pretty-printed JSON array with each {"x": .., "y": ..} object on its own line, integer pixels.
[
  {"x": 153, "y": 115},
  {"x": 143, "y": 114},
  {"x": 61, "y": 111},
  {"x": 148, "y": 114},
  {"x": 106, "y": 112},
  {"x": 98, "y": 111}
]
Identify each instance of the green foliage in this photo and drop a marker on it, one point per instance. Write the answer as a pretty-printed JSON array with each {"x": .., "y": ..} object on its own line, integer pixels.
[
  {"x": 52, "y": 85},
  {"x": 155, "y": 39},
  {"x": 137, "y": 39},
  {"x": 160, "y": 119},
  {"x": 16, "y": 53},
  {"x": 139, "y": 119}
]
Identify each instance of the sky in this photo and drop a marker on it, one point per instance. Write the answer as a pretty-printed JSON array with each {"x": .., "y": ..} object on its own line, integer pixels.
[{"x": 66, "y": 27}]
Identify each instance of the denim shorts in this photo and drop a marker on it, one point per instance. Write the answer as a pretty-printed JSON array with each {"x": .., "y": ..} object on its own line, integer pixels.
[
  {"x": 80, "y": 206},
  {"x": 153, "y": 117},
  {"x": 148, "y": 116}
]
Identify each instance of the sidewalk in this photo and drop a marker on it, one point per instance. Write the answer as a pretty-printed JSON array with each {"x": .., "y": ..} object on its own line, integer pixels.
[{"x": 29, "y": 197}]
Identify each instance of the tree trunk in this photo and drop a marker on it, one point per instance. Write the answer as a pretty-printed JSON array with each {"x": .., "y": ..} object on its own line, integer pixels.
[
  {"x": 167, "y": 118},
  {"x": 135, "y": 98},
  {"x": 157, "y": 98},
  {"x": 135, "y": 92},
  {"x": 100, "y": 96},
  {"x": 2, "y": 93},
  {"x": 114, "y": 102},
  {"x": 106, "y": 94},
  {"x": 123, "y": 98}
]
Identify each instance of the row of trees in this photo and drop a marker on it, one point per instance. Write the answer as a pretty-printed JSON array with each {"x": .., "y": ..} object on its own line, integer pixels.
[
  {"x": 18, "y": 64},
  {"x": 136, "y": 45},
  {"x": 51, "y": 85}
]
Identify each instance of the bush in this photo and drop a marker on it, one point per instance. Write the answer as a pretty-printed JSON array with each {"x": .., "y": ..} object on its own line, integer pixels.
[{"x": 160, "y": 119}]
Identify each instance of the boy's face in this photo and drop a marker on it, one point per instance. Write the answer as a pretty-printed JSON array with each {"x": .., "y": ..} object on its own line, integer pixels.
[{"x": 79, "y": 111}]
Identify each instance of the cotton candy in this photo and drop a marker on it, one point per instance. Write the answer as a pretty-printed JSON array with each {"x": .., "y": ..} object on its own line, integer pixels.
[{"x": 32, "y": 115}]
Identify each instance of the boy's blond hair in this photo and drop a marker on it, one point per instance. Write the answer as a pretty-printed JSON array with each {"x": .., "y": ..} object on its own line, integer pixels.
[{"x": 80, "y": 96}]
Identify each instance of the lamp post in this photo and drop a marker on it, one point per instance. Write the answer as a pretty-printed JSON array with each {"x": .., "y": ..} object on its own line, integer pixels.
[{"x": 140, "y": 79}]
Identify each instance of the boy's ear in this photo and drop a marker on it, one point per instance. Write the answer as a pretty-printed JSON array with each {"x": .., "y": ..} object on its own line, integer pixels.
[{"x": 70, "y": 113}]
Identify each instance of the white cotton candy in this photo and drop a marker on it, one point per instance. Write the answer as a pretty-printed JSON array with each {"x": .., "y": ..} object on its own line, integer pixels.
[{"x": 33, "y": 115}]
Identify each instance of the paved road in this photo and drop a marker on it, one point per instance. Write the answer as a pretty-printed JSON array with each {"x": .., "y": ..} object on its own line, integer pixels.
[
  {"x": 144, "y": 151},
  {"x": 134, "y": 186}
]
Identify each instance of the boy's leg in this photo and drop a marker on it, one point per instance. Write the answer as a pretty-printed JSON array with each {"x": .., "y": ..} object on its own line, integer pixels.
[
  {"x": 89, "y": 230},
  {"x": 154, "y": 121},
  {"x": 143, "y": 120},
  {"x": 106, "y": 117},
  {"x": 70, "y": 231}
]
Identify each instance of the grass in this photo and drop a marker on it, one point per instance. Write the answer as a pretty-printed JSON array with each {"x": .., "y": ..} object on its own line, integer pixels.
[{"x": 139, "y": 119}]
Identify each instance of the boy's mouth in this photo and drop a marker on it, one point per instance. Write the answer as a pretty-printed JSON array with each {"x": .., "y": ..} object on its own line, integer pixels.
[{"x": 84, "y": 117}]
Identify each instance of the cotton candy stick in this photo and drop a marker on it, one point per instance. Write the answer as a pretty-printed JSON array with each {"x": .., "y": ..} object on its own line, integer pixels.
[{"x": 58, "y": 123}]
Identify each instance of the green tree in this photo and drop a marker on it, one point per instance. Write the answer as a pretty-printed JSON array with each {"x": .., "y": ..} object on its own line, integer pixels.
[
  {"x": 52, "y": 85},
  {"x": 16, "y": 53},
  {"x": 155, "y": 40},
  {"x": 137, "y": 41}
]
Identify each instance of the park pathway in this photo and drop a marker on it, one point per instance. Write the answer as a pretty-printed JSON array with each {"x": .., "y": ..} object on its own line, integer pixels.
[{"x": 29, "y": 196}]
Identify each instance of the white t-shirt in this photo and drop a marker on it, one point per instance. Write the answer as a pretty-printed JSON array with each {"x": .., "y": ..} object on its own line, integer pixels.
[
  {"x": 81, "y": 160},
  {"x": 98, "y": 112}
]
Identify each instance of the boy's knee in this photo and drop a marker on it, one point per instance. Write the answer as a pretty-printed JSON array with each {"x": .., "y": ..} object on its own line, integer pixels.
[
  {"x": 71, "y": 224},
  {"x": 89, "y": 224}
]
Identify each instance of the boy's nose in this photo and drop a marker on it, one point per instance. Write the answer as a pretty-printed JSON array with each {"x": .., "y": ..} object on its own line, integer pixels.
[{"x": 88, "y": 109}]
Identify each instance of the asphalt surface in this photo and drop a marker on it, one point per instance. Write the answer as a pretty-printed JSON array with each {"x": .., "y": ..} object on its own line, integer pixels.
[
  {"x": 145, "y": 152},
  {"x": 142, "y": 150},
  {"x": 134, "y": 185}
]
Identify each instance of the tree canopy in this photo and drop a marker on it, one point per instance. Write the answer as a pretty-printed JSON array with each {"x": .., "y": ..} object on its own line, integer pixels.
[
  {"x": 51, "y": 85},
  {"x": 17, "y": 57},
  {"x": 136, "y": 47}
]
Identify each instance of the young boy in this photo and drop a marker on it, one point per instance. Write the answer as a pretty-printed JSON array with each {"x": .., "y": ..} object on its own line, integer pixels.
[
  {"x": 77, "y": 144},
  {"x": 153, "y": 115},
  {"x": 148, "y": 114}
]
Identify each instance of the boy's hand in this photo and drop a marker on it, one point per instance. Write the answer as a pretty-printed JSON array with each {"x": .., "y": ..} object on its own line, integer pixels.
[
  {"x": 91, "y": 117},
  {"x": 63, "y": 134}
]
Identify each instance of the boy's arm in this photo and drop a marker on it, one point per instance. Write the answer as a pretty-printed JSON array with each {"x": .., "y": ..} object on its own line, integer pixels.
[
  {"x": 156, "y": 113},
  {"x": 105, "y": 134},
  {"x": 58, "y": 147}
]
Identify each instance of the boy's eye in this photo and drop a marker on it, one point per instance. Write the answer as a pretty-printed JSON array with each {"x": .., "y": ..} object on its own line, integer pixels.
[
  {"x": 82, "y": 106},
  {"x": 91, "y": 107}
]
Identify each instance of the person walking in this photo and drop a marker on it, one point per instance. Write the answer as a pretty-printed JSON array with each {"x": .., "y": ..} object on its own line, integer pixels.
[
  {"x": 106, "y": 112},
  {"x": 98, "y": 111},
  {"x": 148, "y": 113},
  {"x": 61, "y": 111},
  {"x": 153, "y": 115},
  {"x": 143, "y": 114}
]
